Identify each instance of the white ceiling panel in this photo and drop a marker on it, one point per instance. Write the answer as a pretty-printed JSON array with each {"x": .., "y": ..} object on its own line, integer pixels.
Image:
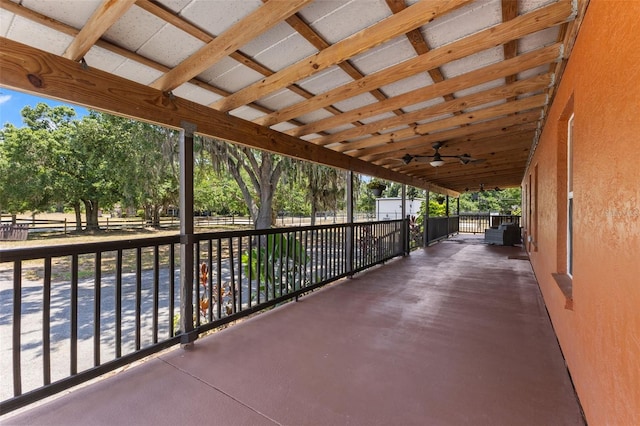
[
  {"x": 536, "y": 40},
  {"x": 134, "y": 29},
  {"x": 377, "y": 117},
  {"x": 103, "y": 59},
  {"x": 473, "y": 62},
  {"x": 230, "y": 75},
  {"x": 335, "y": 20},
  {"x": 39, "y": 36},
  {"x": 74, "y": 12},
  {"x": 281, "y": 99},
  {"x": 196, "y": 94},
  {"x": 325, "y": 80},
  {"x": 387, "y": 54},
  {"x": 480, "y": 87},
  {"x": 423, "y": 105},
  {"x": 175, "y": 5},
  {"x": 215, "y": 17},
  {"x": 315, "y": 116},
  {"x": 408, "y": 84},
  {"x": 170, "y": 46},
  {"x": 6, "y": 18},
  {"x": 137, "y": 72},
  {"x": 355, "y": 102},
  {"x": 279, "y": 47},
  {"x": 462, "y": 22},
  {"x": 533, "y": 72},
  {"x": 283, "y": 127},
  {"x": 247, "y": 113}
]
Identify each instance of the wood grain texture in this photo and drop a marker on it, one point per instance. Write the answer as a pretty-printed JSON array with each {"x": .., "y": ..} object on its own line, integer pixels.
[
  {"x": 228, "y": 42},
  {"x": 439, "y": 125},
  {"x": 368, "y": 38},
  {"x": 537, "y": 20},
  {"x": 428, "y": 140},
  {"x": 529, "y": 85},
  {"x": 66, "y": 80},
  {"x": 104, "y": 17},
  {"x": 473, "y": 78}
]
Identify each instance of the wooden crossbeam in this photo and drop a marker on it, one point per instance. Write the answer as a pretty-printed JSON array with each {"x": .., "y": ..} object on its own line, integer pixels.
[
  {"x": 368, "y": 38},
  {"x": 529, "y": 85},
  {"x": 523, "y": 62},
  {"x": 100, "y": 21},
  {"x": 240, "y": 33},
  {"x": 31, "y": 70},
  {"x": 521, "y": 26}
]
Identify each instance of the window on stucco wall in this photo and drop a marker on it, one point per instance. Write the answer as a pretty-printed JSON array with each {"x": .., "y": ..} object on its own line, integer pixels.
[{"x": 570, "y": 196}]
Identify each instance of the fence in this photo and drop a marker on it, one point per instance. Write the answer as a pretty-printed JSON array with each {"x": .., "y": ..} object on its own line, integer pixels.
[
  {"x": 74, "y": 312},
  {"x": 477, "y": 223}
]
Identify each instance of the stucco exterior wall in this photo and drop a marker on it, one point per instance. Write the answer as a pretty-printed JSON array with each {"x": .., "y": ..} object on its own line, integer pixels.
[{"x": 600, "y": 335}]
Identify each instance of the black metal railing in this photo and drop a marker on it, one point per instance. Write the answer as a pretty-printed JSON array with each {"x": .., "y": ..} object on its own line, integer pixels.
[
  {"x": 439, "y": 228},
  {"x": 71, "y": 313},
  {"x": 477, "y": 223}
]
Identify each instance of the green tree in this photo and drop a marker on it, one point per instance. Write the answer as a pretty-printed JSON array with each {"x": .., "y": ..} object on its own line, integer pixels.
[
  {"x": 325, "y": 187},
  {"x": 30, "y": 157},
  {"x": 150, "y": 178},
  {"x": 257, "y": 174}
]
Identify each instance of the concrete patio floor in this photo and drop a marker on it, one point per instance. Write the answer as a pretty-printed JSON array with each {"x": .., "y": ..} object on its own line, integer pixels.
[{"x": 455, "y": 334}]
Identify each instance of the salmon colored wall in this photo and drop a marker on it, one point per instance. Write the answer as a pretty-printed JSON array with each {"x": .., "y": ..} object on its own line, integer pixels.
[{"x": 600, "y": 337}]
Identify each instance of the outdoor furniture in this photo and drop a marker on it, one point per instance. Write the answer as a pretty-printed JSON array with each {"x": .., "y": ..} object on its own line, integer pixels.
[
  {"x": 506, "y": 234},
  {"x": 14, "y": 232}
]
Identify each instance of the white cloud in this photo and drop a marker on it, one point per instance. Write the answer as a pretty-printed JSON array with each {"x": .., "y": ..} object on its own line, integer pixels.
[{"x": 4, "y": 98}]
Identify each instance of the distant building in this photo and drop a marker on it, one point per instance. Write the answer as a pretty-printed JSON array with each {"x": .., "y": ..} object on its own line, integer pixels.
[{"x": 391, "y": 208}]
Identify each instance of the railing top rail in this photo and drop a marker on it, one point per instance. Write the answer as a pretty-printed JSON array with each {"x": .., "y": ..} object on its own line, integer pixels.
[{"x": 29, "y": 253}]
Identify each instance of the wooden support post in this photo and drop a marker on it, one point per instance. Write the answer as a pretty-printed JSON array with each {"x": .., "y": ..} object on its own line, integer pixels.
[
  {"x": 186, "y": 236},
  {"x": 425, "y": 235},
  {"x": 350, "y": 228}
]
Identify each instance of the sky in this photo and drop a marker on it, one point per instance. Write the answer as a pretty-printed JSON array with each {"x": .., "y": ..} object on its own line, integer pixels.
[{"x": 12, "y": 102}]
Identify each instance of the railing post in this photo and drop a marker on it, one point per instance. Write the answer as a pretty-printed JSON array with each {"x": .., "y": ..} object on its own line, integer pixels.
[
  {"x": 186, "y": 235},
  {"x": 425, "y": 219},
  {"x": 350, "y": 229}
]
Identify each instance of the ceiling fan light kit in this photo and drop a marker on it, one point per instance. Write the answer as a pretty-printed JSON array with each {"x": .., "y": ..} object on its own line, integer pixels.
[{"x": 438, "y": 158}]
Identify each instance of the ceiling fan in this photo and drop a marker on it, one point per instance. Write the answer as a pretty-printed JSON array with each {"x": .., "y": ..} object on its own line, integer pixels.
[{"x": 436, "y": 160}]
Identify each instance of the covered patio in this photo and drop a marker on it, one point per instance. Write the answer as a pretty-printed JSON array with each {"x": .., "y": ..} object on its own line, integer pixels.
[{"x": 456, "y": 333}]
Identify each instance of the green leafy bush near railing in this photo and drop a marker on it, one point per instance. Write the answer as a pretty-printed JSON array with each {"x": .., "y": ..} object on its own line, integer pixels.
[{"x": 277, "y": 260}]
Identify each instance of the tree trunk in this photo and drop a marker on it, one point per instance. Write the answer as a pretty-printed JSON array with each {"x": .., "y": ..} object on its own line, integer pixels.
[
  {"x": 314, "y": 210},
  {"x": 263, "y": 218},
  {"x": 76, "y": 210},
  {"x": 156, "y": 216},
  {"x": 91, "y": 208}
]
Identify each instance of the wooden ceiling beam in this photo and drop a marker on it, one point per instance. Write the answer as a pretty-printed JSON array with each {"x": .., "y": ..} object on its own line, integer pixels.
[
  {"x": 498, "y": 178},
  {"x": 521, "y": 26},
  {"x": 239, "y": 34},
  {"x": 433, "y": 127},
  {"x": 191, "y": 29},
  {"x": 510, "y": 49},
  {"x": 518, "y": 142},
  {"x": 31, "y": 70},
  {"x": 100, "y": 21},
  {"x": 391, "y": 27},
  {"x": 421, "y": 46},
  {"x": 369, "y": 154},
  {"x": 492, "y": 72},
  {"x": 530, "y": 85}
]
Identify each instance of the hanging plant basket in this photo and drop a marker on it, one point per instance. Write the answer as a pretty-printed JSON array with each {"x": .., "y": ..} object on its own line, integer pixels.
[{"x": 376, "y": 187}]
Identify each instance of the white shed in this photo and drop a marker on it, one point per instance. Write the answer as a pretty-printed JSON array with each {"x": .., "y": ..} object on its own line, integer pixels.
[{"x": 391, "y": 208}]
